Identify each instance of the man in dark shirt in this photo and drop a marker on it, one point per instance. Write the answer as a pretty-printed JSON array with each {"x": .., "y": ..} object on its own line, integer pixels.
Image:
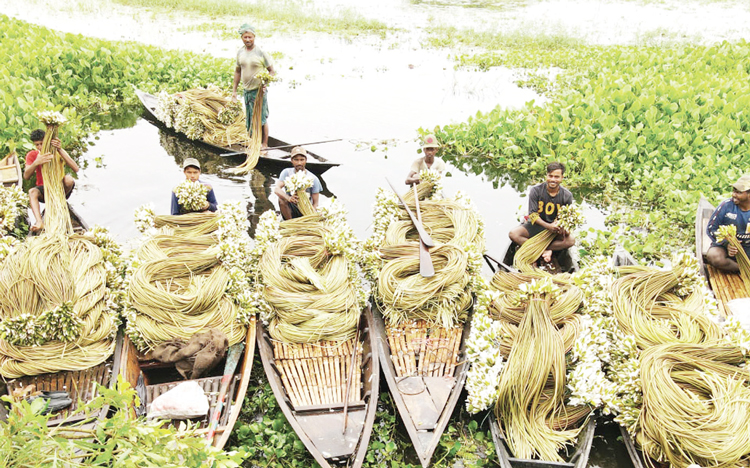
[
  {"x": 735, "y": 210},
  {"x": 544, "y": 201},
  {"x": 192, "y": 169}
]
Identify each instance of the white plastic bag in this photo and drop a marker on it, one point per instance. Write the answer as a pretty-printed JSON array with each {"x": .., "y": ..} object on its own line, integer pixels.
[{"x": 187, "y": 400}]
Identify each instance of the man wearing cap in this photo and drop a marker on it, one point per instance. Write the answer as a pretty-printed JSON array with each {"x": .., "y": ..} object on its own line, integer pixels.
[
  {"x": 430, "y": 148},
  {"x": 288, "y": 202},
  {"x": 735, "y": 210},
  {"x": 192, "y": 169},
  {"x": 251, "y": 60}
]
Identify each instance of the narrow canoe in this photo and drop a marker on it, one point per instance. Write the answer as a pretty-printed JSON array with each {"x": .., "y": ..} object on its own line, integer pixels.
[
  {"x": 309, "y": 382},
  {"x": 157, "y": 378},
  {"x": 279, "y": 159},
  {"x": 10, "y": 171},
  {"x": 80, "y": 385},
  {"x": 563, "y": 262},
  {"x": 425, "y": 374}
]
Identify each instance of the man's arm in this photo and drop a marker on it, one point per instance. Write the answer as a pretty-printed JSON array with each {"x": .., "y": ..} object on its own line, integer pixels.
[
  {"x": 315, "y": 197},
  {"x": 175, "y": 205},
  {"x": 213, "y": 205},
  {"x": 412, "y": 178},
  {"x": 714, "y": 222},
  {"x": 281, "y": 193},
  {"x": 64, "y": 154},
  {"x": 236, "y": 81}
]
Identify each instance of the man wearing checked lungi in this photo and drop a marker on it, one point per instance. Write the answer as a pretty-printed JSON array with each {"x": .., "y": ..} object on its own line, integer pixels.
[{"x": 251, "y": 60}]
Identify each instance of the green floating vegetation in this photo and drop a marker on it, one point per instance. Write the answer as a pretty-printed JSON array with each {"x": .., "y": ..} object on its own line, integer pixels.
[
  {"x": 645, "y": 131},
  {"x": 118, "y": 441},
  {"x": 283, "y": 16},
  {"x": 87, "y": 79}
]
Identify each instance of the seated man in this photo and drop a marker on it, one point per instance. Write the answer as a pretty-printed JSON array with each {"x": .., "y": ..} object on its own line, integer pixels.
[
  {"x": 544, "y": 201},
  {"x": 192, "y": 169},
  {"x": 288, "y": 201},
  {"x": 735, "y": 210},
  {"x": 428, "y": 161},
  {"x": 34, "y": 163}
]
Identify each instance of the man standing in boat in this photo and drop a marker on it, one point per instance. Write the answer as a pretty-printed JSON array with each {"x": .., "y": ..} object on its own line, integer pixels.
[
  {"x": 288, "y": 202},
  {"x": 430, "y": 148},
  {"x": 545, "y": 200},
  {"x": 735, "y": 210},
  {"x": 251, "y": 60}
]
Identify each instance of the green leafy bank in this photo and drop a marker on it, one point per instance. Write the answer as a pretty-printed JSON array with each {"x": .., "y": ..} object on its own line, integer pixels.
[
  {"x": 644, "y": 131},
  {"x": 87, "y": 79}
]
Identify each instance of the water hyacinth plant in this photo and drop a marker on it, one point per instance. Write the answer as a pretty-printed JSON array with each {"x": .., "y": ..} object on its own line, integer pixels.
[{"x": 192, "y": 195}]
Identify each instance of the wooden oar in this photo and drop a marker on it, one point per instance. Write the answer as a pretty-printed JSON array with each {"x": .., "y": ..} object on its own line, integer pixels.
[
  {"x": 237, "y": 153},
  {"x": 351, "y": 374},
  {"x": 420, "y": 229},
  {"x": 233, "y": 357},
  {"x": 426, "y": 268}
]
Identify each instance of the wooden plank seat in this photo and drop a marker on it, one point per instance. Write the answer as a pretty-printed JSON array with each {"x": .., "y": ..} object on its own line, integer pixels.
[{"x": 80, "y": 385}]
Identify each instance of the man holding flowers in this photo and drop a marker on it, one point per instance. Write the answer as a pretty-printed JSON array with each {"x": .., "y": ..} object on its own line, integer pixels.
[
  {"x": 286, "y": 187},
  {"x": 192, "y": 195},
  {"x": 430, "y": 148},
  {"x": 732, "y": 211},
  {"x": 545, "y": 201}
]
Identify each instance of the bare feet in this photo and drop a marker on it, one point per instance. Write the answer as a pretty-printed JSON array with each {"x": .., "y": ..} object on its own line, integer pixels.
[
  {"x": 547, "y": 256},
  {"x": 37, "y": 227}
]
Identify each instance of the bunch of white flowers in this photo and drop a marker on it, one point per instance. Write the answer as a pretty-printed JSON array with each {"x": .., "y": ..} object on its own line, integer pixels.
[
  {"x": 144, "y": 218},
  {"x": 690, "y": 279},
  {"x": 13, "y": 203},
  {"x": 189, "y": 122},
  {"x": 483, "y": 351},
  {"x": 231, "y": 112},
  {"x": 8, "y": 245},
  {"x": 435, "y": 178},
  {"x": 235, "y": 250},
  {"x": 300, "y": 180},
  {"x": 192, "y": 195},
  {"x": 570, "y": 217},
  {"x": 51, "y": 118},
  {"x": 58, "y": 324},
  {"x": 166, "y": 108}
]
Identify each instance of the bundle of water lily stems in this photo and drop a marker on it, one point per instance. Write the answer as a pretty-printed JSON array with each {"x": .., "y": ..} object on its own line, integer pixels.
[
  {"x": 401, "y": 292},
  {"x": 207, "y": 114},
  {"x": 695, "y": 383},
  {"x": 57, "y": 290},
  {"x": 178, "y": 285},
  {"x": 539, "y": 325},
  {"x": 569, "y": 217},
  {"x": 308, "y": 281},
  {"x": 255, "y": 144}
]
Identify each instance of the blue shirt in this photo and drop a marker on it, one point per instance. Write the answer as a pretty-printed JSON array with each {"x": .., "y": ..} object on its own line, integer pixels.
[
  {"x": 316, "y": 187},
  {"x": 728, "y": 213},
  {"x": 213, "y": 205}
]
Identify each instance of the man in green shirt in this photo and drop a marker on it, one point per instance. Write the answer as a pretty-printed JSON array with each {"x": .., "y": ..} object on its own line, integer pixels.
[{"x": 251, "y": 60}]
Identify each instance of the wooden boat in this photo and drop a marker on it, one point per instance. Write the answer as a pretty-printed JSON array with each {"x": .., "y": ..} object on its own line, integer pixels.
[
  {"x": 562, "y": 262},
  {"x": 10, "y": 171},
  {"x": 152, "y": 378},
  {"x": 425, "y": 369},
  {"x": 726, "y": 286},
  {"x": 309, "y": 382},
  {"x": 80, "y": 385},
  {"x": 278, "y": 159}
]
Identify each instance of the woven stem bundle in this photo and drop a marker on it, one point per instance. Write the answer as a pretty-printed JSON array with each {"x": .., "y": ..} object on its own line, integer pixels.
[
  {"x": 312, "y": 294},
  {"x": 179, "y": 287}
]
